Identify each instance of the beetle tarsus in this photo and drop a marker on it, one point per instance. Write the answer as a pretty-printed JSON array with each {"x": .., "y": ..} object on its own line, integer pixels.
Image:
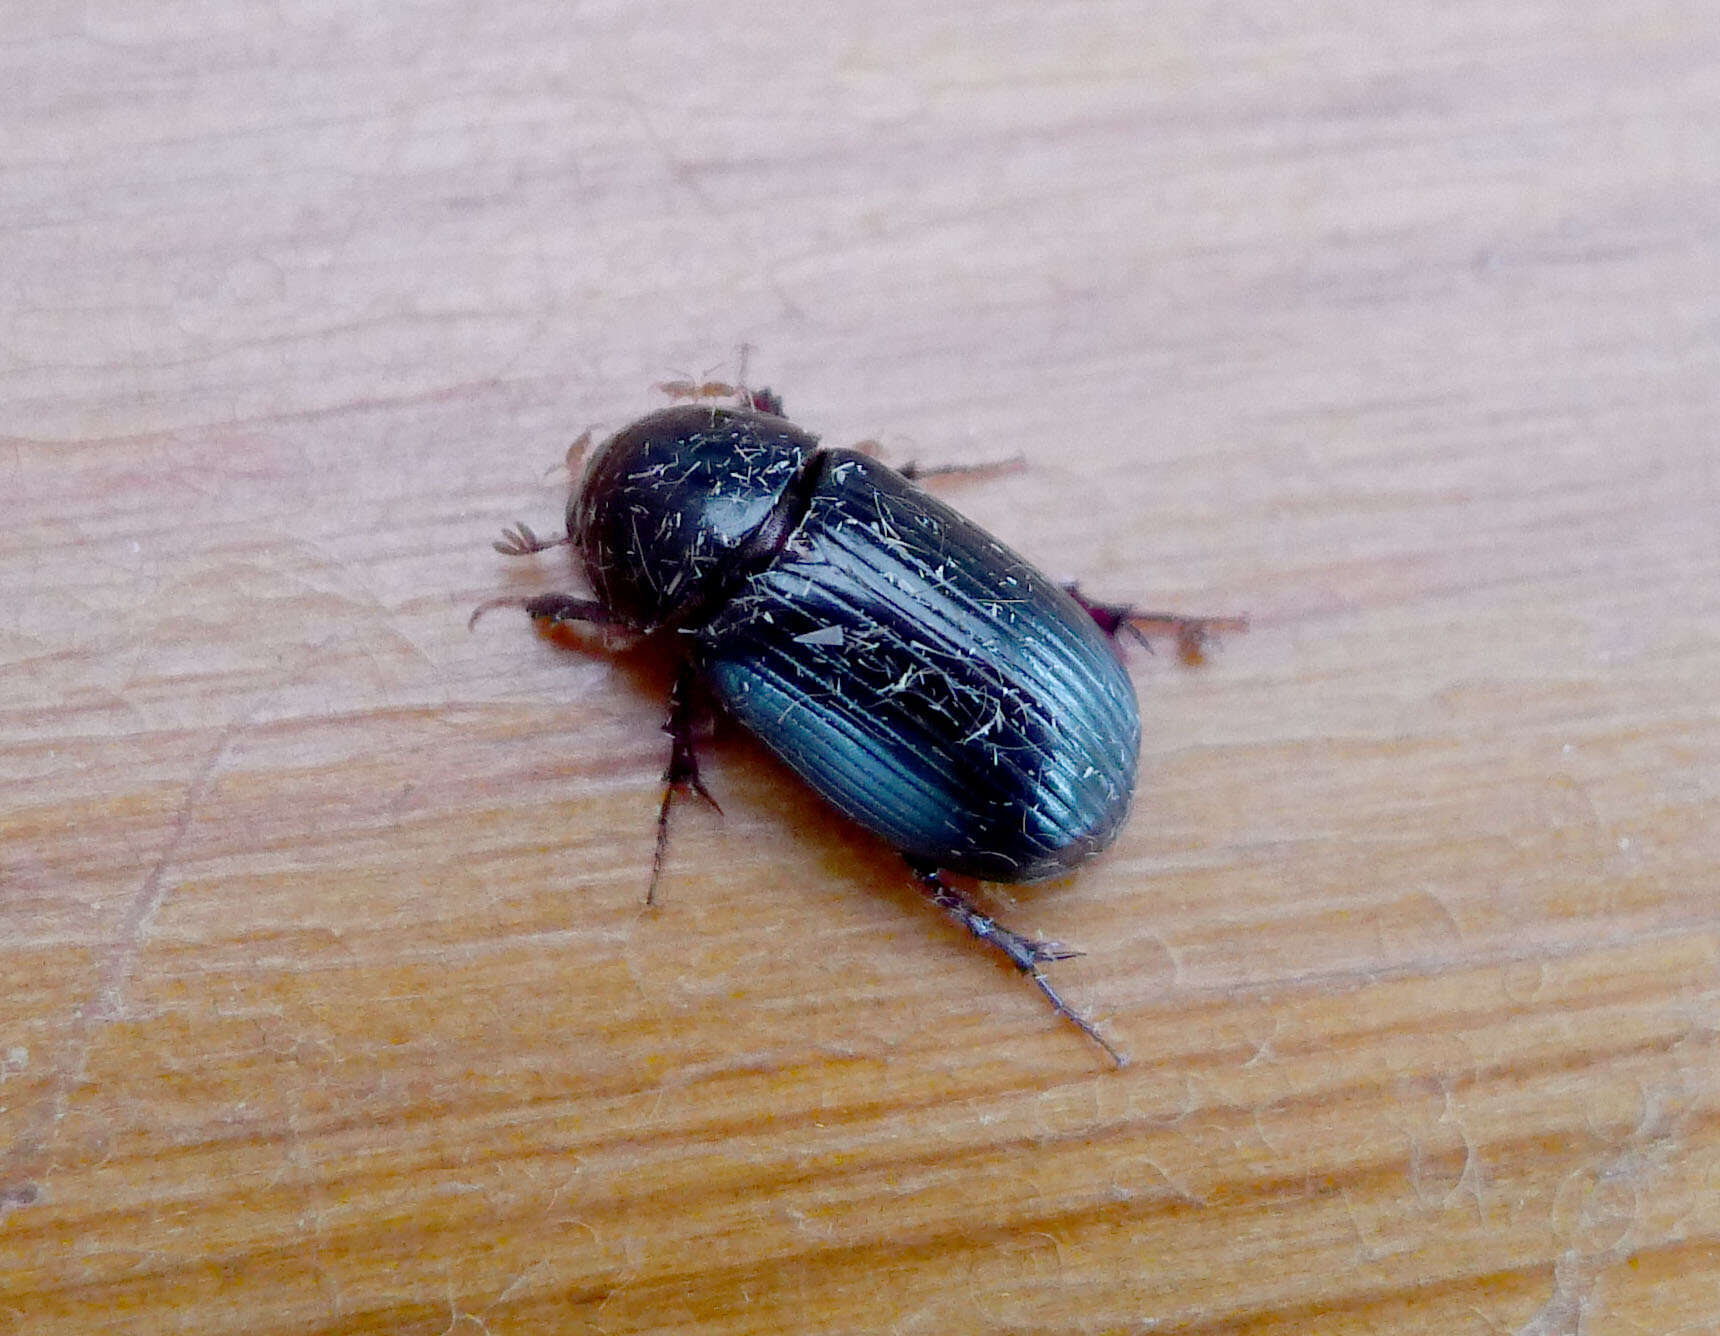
[
  {"x": 490, "y": 605},
  {"x": 1192, "y": 633},
  {"x": 682, "y": 773},
  {"x": 914, "y": 471},
  {"x": 1117, "y": 1056},
  {"x": 519, "y": 541},
  {"x": 1025, "y": 953}
]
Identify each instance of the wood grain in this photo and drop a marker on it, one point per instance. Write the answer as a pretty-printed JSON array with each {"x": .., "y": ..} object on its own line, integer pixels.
[{"x": 330, "y": 1002}]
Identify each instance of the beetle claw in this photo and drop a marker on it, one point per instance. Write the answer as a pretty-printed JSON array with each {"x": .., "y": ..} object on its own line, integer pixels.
[{"x": 697, "y": 785}]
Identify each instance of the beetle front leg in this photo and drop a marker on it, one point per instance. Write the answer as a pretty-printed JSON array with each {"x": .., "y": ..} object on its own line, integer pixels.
[
  {"x": 1192, "y": 633},
  {"x": 519, "y": 541},
  {"x": 549, "y": 610},
  {"x": 561, "y": 609},
  {"x": 1026, "y": 954},
  {"x": 682, "y": 772}
]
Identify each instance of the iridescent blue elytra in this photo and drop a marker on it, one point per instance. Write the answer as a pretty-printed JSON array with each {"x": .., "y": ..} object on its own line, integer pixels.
[
  {"x": 923, "y": 678},
  {"x": 928, "y": 682}
]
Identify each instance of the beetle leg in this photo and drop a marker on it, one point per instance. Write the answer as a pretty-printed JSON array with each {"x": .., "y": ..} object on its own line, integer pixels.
[
  {"x": 760, "y": 400},
  {"x": 688, "y": 388},
  {"x": 1026, "y": 954},
  {"x": 695, "y": 389},
  {"x": 1192, "y": 633},
  {"x": 576, "y": 452},
  {"x": 914, "y": 471},
  {"x": 682, "y": 772},
  {"x": 551, "y": 610},
  {"x": 520, "y": 541},
  {"x": 559, "y": 608}
]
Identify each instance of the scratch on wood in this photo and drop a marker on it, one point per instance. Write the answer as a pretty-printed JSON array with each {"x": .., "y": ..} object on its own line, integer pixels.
[
  {"x": 106, "y": 1005},
  {"x": 121, "y": 957}
]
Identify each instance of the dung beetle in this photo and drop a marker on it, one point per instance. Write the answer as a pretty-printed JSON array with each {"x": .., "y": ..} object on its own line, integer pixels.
[{"x": 928, "y": 682}]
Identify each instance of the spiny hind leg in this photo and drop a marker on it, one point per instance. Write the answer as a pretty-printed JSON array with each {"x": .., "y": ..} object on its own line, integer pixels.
[
  {"x": 1025, "y": 953},
  {"x": 1192, "y": 633}
]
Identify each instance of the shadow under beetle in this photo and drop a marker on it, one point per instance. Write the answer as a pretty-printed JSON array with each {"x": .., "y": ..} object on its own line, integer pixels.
[{"x": 928, "y": 682}]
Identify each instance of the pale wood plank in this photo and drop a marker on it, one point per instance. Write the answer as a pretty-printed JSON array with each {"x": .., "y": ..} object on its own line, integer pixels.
[{"x": 330, "y": 1001}]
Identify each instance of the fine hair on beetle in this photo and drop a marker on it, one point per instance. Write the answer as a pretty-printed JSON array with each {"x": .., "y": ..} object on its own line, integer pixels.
[{"x": 930, "y": 684}]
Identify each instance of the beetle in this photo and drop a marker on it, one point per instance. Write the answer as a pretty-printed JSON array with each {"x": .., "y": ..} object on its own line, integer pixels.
[{"x": 929, "y": 683}]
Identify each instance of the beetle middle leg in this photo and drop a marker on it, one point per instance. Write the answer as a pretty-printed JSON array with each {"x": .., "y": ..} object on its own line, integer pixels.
[
  {"x": 1026, "y": 954},
  {"x": 682, "y": 772},
  {"x": 1192, "y": 633},
  {"x": 914, "y": 471}
]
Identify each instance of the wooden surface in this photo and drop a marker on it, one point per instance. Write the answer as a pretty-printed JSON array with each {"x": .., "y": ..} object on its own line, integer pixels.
[{"x": 329, "y": 999}]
